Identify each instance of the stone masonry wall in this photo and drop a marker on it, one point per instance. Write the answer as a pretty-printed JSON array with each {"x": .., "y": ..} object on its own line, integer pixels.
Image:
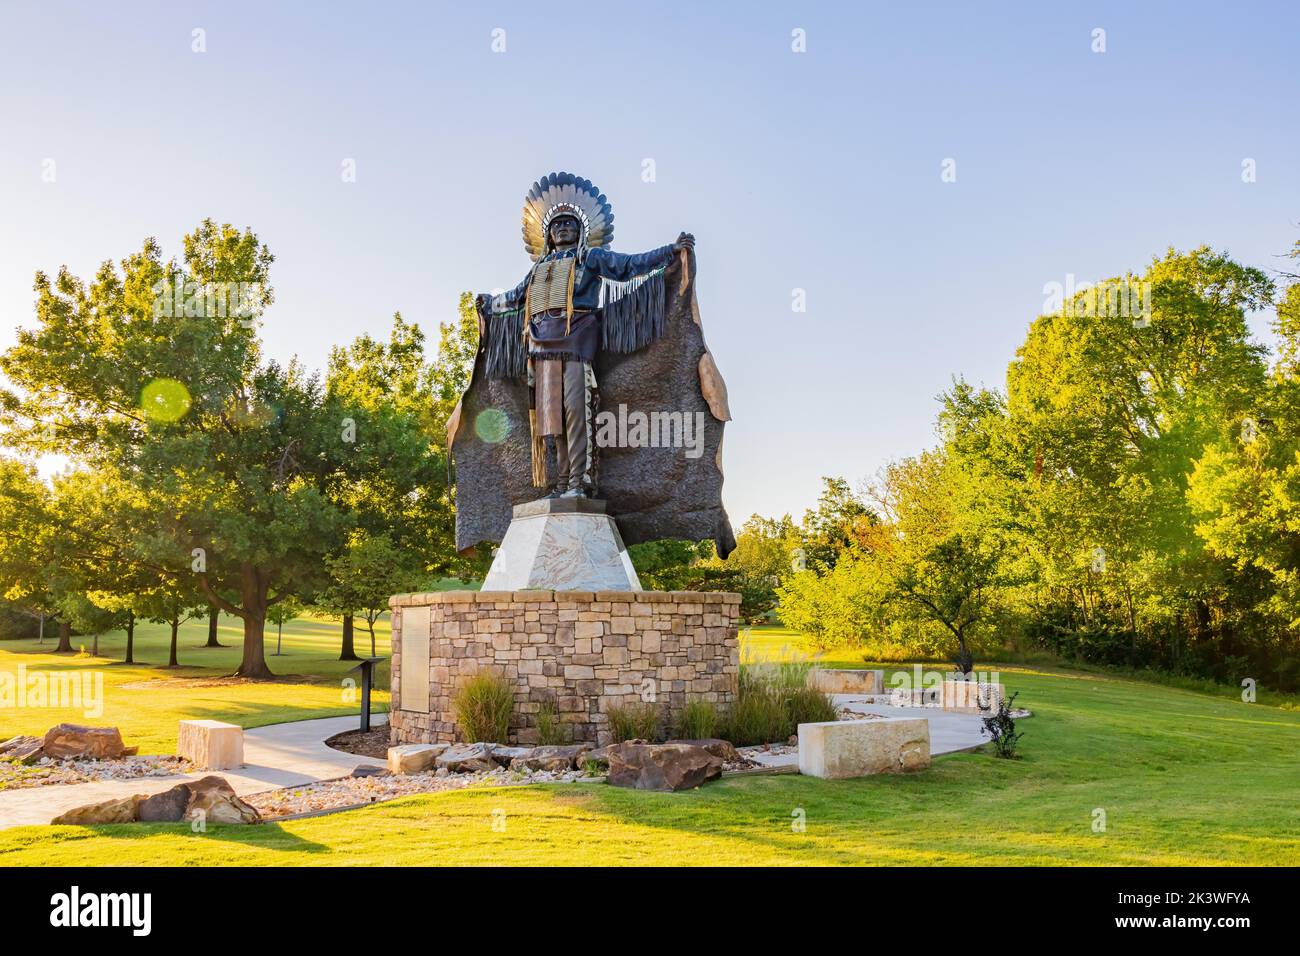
[{"x": 579, "y": 650}]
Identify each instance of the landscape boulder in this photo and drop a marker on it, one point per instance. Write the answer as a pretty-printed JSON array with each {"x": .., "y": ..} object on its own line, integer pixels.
[
  {"x": 555, "y": 759},
  {"x": 121, "y": 810},
  {"x": 600, "y": 756},
  {"x": 661, "y": 766},
  {"x": 505, "y": 756},
  {"x": 413, "y": 758},
  {"x": 216, "y": 800},
  {"x": 74, "y": 740},
  {"x": 467, "y": 758},
  {"x": 722, "y": 749},
  {"x": 166, "y": 807},
  {"x": 22, "y": 748},
  {"x": 211, "y": 797}
]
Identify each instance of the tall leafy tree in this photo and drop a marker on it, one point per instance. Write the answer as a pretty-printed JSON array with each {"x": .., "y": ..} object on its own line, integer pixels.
[
  {"x": 153, "y": 370},
  {"x": 362, "y": 577},
  {"x": 392, "y": 489},
  {"x": 840, "y": 520},
  {"x": 1245, "y": 493},
  {"x": 28, "y": 531}
]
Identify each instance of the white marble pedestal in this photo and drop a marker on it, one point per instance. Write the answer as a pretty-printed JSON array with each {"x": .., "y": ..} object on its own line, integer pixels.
[{"x": 562, "y": 544}]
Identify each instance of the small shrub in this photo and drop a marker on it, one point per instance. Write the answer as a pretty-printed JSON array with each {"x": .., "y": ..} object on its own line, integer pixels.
[
  {"x": 698, "y": 720},
  {"x": 550, "y": 731},
  {"x": 638, "y": 721},
  {"x": 1001, "y": 726},
  {"x": 483, "y": 705}
]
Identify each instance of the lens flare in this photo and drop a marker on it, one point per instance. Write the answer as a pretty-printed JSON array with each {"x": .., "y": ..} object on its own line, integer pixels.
[
  {"x": 165, "y": 400},
  {"x": 492, "y": 426}
]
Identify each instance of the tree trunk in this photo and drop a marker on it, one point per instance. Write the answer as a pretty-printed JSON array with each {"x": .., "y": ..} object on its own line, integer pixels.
[
  {"x": 65, "y": 638},
  {"x": 349, "y": 652},
  {"x": 94, "y": 645},
  {"x": 370, "y": 623},
  {"x": 253, "y": 590},
  {"x": 214, "y": 612},
  {"x": 965, "y": 661},
  {"x": 130, "y": 638},
  {"x": 171, "y": 657}
]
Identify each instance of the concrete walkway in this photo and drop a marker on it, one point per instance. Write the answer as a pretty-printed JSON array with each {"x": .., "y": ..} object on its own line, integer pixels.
[
  {"x": 281, "y": 755},
  {"x": 949, "y": 732}
]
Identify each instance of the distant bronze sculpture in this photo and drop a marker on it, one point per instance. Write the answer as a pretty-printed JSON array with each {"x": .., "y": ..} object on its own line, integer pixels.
[{"x": 592, "y": 379}]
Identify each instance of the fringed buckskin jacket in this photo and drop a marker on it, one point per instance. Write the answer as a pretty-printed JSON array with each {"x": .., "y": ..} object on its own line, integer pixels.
[{"x": 622, "y": 295}]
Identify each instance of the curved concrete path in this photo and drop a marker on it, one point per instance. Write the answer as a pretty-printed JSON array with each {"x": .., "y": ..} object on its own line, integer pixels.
[{"x": 280, "y": 755}]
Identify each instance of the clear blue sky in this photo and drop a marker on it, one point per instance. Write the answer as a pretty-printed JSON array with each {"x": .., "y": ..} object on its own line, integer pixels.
[{"x": 818, "y": 171}]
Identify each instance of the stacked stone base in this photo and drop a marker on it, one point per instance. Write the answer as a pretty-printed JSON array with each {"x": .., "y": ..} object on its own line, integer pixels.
[{"x": 579, "y": 653}]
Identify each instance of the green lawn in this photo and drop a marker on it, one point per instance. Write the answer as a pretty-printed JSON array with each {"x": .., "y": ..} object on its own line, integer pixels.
[
  {"x": 1183, "y": 777},
  {"x": 146, "y": 701}
]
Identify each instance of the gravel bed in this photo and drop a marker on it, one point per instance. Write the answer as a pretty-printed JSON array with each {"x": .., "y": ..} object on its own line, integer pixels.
[
  {"x": 350, "y": 791},
  {"x": 50, "y": 772},
  {"x": 769, "y": 750}
]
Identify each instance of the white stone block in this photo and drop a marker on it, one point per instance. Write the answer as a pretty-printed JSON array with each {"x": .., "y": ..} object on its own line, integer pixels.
[
  {"x": 833, "y": 680},
  {"x": 211, "y": 744},
  {"x": 967, "y": 696},
  {"x": 857, "y": 748}
]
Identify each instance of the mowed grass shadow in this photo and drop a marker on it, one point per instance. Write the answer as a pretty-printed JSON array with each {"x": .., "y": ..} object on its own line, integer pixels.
[{"x": 172, "y": 843}]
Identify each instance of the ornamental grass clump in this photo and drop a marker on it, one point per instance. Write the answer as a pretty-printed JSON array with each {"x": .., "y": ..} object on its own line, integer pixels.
[
  {"x": 698, "y": 720},
  {"x": 807, "y": 705},
  {"x": 636, "y": 721},
  {"x": 772, "y": 700},
  {"x": 483, "y": 705},
  {"x": 550, "y": 731},
  {"x": 756, "y": 716}
]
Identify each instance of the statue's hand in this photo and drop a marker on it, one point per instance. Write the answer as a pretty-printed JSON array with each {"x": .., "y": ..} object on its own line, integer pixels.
[
  {"x": 685, "y": 241},
  {"x": 482, "y": 301}
]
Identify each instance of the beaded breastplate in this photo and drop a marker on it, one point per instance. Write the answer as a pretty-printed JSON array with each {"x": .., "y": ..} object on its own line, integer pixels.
[{"x": 549, "y": 288}]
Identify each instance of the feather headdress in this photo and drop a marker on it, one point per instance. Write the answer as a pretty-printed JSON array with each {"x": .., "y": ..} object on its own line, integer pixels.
[{"x": 566, "y": 194}]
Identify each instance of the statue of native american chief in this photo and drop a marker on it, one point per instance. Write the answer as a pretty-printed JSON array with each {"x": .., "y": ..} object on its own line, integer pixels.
[{"x": 592, "y": 379}]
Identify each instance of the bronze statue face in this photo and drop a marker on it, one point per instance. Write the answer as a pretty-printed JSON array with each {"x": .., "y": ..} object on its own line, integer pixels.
[{"x": 564, "y": 232}]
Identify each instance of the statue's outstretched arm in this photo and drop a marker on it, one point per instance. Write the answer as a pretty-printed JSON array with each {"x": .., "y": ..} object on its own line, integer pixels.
[
  {"x": 489, "y": 304},
  {"x": 500, "y": 331},
  {"x": 622, "y": 267}
]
